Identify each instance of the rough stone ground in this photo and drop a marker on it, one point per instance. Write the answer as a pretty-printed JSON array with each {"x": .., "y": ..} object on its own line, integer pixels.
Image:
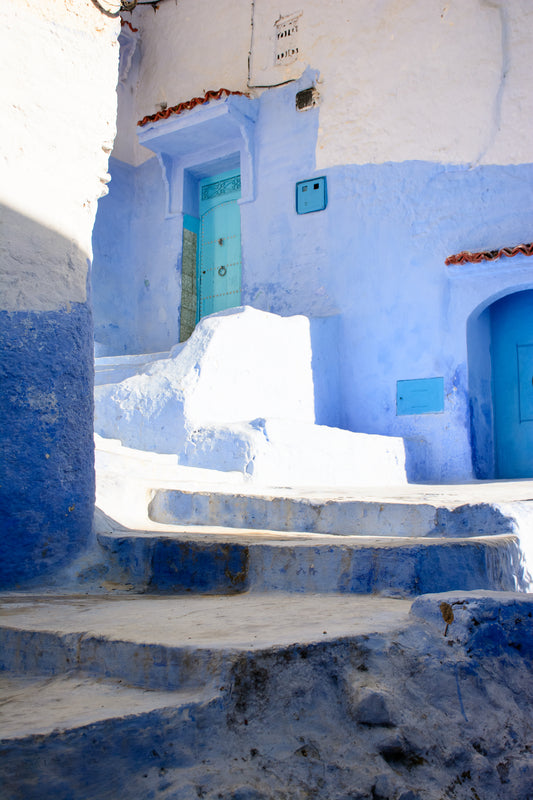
[{"x": 382, "y": 707}]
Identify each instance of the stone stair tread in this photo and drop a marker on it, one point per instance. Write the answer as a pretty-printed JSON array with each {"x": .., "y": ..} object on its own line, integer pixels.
[
  {"x": 343, "y": 516},
  {"x": 238, "y": 622},
  {"x": 178, "y": 564},
  {"x": 33, "y": 705},
  {"x": 435, "y": 495},
  {"x": 250, "y": 537}
]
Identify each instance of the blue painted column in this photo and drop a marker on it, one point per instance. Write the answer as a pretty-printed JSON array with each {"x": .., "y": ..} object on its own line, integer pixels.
[{"x": 46, "y": 441}]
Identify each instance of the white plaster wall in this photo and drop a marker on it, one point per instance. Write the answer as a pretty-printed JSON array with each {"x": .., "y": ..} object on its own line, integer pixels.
[
  {"x": 399, "y": 79},
  {"x": 417, "y": 79},
  {"x": 186, "y": 50},
  {"x": 57, "y": 95}
]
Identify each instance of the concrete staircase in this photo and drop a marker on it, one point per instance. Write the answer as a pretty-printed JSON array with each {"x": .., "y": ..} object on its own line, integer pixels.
[
  {"x": 116, "y": 680},
  {"x": 231, "y": 541}
]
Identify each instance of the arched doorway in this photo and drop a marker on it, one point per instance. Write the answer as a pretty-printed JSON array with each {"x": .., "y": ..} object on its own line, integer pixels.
[{"x": 500, "y": 362}]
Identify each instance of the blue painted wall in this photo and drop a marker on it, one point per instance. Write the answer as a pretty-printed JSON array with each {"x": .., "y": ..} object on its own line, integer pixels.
[
  {"x": 374, "y": 260},
  {"x": 46, "y": 430}
]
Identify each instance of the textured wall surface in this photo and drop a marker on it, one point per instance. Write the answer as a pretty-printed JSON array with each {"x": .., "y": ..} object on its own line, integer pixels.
[
  {"x": 58, "y": 111},
  {"x": 238, "y": 365}
]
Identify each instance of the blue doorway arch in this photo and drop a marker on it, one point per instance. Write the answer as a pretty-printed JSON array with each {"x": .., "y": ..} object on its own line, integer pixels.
[{"x": 500, "y": 375}]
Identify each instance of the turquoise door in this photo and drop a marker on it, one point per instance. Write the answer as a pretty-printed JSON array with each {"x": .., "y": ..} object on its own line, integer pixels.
[
  {"x": 512, "y": 384},
  {"x": 219, "y": 261}
]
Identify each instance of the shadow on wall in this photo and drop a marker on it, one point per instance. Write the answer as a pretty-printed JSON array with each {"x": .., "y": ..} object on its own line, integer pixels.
[
  {"x": 480, "y": 393},
  {"x": 46, "y": 404},
  {"x": 136, "y": 275},
  {"x": 325, "y": 332}
]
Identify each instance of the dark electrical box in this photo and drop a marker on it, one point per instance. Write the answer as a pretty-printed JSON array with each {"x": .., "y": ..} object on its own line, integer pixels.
[{"x": 307, "y": 98}]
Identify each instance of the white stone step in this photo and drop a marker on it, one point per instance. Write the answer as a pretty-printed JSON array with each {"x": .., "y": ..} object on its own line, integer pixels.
[
  {"x": 114, "y": 369},
  {"x": 34, "y": 705},
  {"x": 335, "y": 514},
  {"x": 74, "y": 737}
]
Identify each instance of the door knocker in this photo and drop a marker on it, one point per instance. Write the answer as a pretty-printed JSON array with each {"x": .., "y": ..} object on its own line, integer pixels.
[{"x": 222, "y": 271}]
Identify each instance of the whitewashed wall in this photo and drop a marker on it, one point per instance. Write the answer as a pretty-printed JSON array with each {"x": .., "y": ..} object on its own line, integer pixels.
[
  {"x": 58, "y": 101},
  {"x": 417, "y": 79}
]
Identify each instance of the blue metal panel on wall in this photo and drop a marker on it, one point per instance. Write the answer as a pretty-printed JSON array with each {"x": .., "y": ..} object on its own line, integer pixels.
[
  {"x": 420, "y": 396},
  {"x": 311, "y": 195}
]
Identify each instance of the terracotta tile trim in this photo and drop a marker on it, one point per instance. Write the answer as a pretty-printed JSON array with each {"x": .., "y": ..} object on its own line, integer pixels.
[
  {"x": 128, "y": 24},
  {"x": 490, "y": 255},
  {"x": 188, "y": 104}
]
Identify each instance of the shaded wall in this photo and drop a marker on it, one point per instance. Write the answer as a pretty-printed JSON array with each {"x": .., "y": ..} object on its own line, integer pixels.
[{"x": 136, "y": 276}]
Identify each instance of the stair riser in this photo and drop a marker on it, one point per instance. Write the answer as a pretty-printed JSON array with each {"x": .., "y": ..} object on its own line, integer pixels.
[
  {"x": 150, "y": 666},
  {"x": 338, "y": 517},
  {"x": 155, "y": 564},
  {"x": 172, "y": 566}
]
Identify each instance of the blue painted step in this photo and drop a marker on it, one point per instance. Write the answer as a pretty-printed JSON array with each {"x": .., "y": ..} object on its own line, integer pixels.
[
  {"x": 208, "y": 563},
  {"x": 75, "y": 737}
]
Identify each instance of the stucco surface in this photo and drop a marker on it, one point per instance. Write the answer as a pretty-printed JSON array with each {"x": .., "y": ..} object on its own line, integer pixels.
[
  {"x": 369, "y": 271},
  {"x": 59, "y": 67},
  {"x": 58, "y": 110},
  {"x": 238, "y": 365},
  {"x": 239, "y": 396},
  {"x": 136, "y": 273}
]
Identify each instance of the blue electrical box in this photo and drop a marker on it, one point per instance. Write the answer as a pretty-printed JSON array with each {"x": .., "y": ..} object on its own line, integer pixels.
[
  {"x": 422, "y": 396},
  {"x": 311, "y": 195}
]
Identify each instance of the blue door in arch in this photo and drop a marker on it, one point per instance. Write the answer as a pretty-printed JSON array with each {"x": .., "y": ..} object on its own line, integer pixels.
[
  {"x": 512, "y": 384},
  {"x": 219, "y": 247}
]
